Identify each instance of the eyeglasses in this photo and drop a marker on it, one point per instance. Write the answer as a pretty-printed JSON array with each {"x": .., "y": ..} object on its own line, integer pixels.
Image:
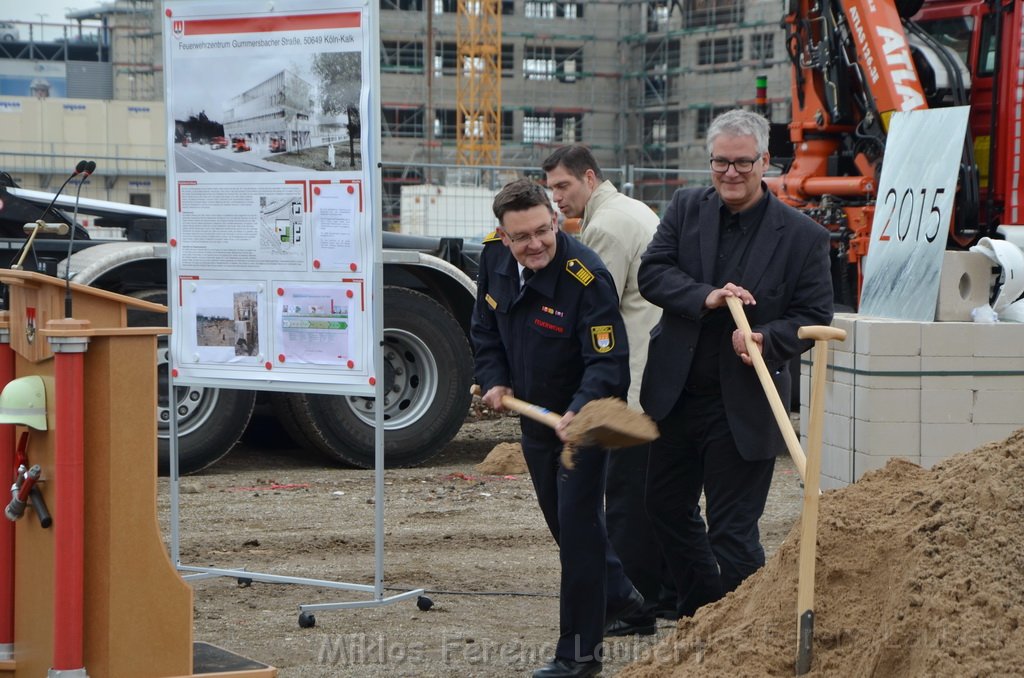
[
  {"x": 524, "y": 238},
  {"x": 743, "y": 165}
]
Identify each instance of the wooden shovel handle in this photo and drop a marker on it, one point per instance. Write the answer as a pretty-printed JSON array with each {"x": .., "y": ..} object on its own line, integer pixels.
[
  {"x": 529, "y": 410},
  {"x": 768, "y": 384},
  {"x": 821, "y": 333}
]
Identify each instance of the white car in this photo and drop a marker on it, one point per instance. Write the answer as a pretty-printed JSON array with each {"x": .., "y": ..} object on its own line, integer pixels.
[{"x": 9, "y": 32}]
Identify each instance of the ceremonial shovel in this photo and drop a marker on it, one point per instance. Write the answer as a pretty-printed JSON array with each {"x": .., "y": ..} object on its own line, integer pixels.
[
  {"x": 606, "y": 422},
  {"x": 809, "y": 516},
  {"x": 809, "y": 466}
]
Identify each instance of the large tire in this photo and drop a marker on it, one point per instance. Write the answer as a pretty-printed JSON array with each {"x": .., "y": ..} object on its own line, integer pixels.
[
  {"x": 210, "y": 420},
  {"x": 292, "y": 411},
  {"x": 428, "y": 372}
]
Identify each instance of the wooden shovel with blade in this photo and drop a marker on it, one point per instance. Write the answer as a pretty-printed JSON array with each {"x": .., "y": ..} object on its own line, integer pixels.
[
  {"x": 809, "y": 465},
  {"x": 606, "y": 422},
  {"x": 809, "y": 516}
]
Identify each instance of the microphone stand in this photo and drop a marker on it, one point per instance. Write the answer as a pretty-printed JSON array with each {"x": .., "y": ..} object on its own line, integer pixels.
[
  {"x": 41, "y": 225},
  {"x": 89, "y": 169}
]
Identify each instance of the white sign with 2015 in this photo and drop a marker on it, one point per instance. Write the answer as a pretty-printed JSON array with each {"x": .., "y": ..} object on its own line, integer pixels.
[{"x": 912, "y": 213}]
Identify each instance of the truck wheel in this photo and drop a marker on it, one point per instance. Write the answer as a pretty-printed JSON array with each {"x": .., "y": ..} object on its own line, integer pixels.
[
  {"x": 427, "y": 375},
  {"x": 210, "y": 420},
  {"x": 292, "y": 411}
]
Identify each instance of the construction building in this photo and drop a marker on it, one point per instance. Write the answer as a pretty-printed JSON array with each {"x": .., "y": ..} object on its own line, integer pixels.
[{"x": 636, "y": 80}]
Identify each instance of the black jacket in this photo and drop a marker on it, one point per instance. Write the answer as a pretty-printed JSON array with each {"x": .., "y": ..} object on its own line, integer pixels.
[
  {"x": 787, "y": 271},
  {"x": 560, "y": 342}
]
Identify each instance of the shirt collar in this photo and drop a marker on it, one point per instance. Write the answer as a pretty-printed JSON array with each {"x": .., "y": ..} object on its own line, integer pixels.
[{"x": 748, "y": 217}]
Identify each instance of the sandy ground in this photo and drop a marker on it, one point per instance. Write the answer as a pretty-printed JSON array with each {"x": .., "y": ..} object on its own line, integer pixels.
[{"x": 477, "y": 543}]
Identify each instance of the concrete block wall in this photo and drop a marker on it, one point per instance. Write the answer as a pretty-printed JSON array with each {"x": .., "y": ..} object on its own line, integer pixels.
[{"x": 920, "y": 391}]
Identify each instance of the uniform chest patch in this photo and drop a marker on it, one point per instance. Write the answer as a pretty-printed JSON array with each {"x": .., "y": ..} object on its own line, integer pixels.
[
  {"x": 602, "y": 337},
  {"x": 552, "y": 311},
  {"x": 490, "y": 301}
]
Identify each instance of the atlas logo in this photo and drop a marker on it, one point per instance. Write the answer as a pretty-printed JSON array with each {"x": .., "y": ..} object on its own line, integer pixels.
[{"x": 901, "y": 71}]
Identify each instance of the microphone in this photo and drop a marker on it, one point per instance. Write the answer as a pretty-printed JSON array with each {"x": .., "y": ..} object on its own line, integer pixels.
[
  {"x": 40, "y": 223},
  {"x": 86, "y": 171}
]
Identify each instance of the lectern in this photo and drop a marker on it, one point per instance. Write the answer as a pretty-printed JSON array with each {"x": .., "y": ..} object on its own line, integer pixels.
[{"x": 94, "y": 593}]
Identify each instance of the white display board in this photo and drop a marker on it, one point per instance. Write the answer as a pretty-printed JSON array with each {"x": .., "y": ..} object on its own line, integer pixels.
[
  {"x": 913, "y": 213},
  {"x": 272, "y": 185}
]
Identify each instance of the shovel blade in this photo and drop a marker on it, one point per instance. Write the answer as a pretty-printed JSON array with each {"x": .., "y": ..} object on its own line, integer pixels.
[{"x": 805, "y": 643}]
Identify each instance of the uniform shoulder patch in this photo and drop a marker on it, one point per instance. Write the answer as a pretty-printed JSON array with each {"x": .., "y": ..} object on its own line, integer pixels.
[
  {"x": 602, "y": 337},
  {"x": 492, "y": 237},
  {"x": 576, "y": 269}
]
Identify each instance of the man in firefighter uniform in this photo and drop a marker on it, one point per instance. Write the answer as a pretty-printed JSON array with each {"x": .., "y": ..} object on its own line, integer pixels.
[{"x": 546, "y": 328}]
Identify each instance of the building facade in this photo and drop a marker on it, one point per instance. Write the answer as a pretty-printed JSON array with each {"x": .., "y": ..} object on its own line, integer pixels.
[{"x": 638, "y": 81}]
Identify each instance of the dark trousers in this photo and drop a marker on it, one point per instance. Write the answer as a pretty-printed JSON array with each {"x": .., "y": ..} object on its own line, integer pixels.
[
  {"x": 630, "y": 530},
  {"x": 696, "y": 451},
  {"x": 572, "y": 502}
]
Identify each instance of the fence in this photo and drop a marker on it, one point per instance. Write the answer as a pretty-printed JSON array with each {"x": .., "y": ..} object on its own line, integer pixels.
[
  {"x": 455, "y": 201},
  {"x": 423, "y": 199}
]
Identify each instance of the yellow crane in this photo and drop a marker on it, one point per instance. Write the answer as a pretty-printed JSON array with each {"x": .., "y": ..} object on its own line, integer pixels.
[{"x": 478, "y": 82}]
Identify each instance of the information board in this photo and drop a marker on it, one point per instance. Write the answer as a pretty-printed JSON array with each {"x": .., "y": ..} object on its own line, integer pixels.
[{"x": 273, "y": 191}]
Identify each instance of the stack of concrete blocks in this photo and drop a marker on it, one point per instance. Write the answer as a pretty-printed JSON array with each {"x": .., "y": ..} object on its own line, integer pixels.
[{"x": 923, "y": 391}]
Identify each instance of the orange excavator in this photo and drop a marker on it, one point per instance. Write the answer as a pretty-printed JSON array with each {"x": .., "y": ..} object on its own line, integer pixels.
[{"x": 854, "y": 64}]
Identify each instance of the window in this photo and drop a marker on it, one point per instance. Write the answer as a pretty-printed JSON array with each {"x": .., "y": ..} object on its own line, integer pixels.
[
  {"x": 544, "y": 62},
  {"x": 762, "y": 46},
  {"x": 540, "y": 9},
  {"x": 717, "y": 51},
  {"x": 445, "y": 124},
  {"x": 956, "y": 34},
  {"x": 402, "y": 5},
  {"x": 401, "y": 57},
  {"x": 447, "y": 54},
  {"x": 142, "y": 199},
  {"x": 444, "y": 59},
  {"x": 549, "y": 127},
  {"x": 704, "y": 118},
  {"x": 661, "y": 128},
  {"x": 987, "y": 48},
  {"x": 538, "y": 128},
  {"x": 711, "y": 12},
  {"x": 660, "y": 56},
  {"x": 402, "y": 121},
  {"x": 452, "y": 7},
  {"x": 658, "y": 13}
]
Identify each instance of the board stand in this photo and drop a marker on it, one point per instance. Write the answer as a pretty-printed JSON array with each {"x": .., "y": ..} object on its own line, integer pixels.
[{"x": 306, "y": 618}]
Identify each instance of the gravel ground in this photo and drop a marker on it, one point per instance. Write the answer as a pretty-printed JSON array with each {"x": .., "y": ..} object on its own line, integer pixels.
[{"x": 476, "y": 543}]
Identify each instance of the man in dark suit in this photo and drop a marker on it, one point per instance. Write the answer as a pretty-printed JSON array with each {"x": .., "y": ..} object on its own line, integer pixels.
[
  {"x": 547, "y": 326},
  {"x": 718, "y": 434}
]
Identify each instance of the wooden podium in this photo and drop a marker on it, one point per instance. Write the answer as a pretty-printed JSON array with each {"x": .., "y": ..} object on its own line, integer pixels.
[{"x": 97, "y": 587}]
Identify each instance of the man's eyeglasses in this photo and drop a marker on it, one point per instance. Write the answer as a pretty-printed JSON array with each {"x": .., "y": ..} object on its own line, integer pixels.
[
  {"x": 524, "y": 238},
  {"x": 743, "y": 165}
]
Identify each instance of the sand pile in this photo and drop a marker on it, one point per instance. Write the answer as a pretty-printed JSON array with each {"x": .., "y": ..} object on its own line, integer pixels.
[
  {"x": 504, "y": 459},
  {"x": 919, "y": 573}
]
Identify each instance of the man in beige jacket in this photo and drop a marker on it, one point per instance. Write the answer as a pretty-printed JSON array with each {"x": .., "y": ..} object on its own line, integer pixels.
[{"x": 619, "y": 229}]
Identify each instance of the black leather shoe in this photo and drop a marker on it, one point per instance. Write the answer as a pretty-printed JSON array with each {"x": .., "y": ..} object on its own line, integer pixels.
[
  {"x": 664, "y": 611},
  {"x": 567, "y": 668},
  {"x": 635, "y": 627},
  {"x": 634, "y": 603}
]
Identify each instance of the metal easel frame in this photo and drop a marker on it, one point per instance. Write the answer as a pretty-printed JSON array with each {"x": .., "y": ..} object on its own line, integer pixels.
[{"x": 195, "y": 573}]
